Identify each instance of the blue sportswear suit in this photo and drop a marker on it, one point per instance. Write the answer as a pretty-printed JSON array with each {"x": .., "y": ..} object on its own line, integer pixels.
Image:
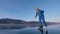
[{"x": 40, "y": 13}]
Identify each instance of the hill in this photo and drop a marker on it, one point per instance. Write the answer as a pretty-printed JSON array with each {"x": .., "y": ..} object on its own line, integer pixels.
[{"x": 15, "y": 23}]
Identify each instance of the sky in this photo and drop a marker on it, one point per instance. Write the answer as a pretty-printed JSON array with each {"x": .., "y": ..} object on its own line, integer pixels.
[{"x": 25, "y": 9}]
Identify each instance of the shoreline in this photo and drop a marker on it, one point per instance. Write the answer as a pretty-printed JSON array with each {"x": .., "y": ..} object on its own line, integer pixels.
[{"x": 18, "y": 26}]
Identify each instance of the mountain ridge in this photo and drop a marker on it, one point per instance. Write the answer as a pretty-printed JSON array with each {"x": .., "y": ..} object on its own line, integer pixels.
[{"x": 17, "y": 21}]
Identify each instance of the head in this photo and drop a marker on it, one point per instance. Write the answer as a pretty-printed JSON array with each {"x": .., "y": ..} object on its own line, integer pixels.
[{"x": 37, "y": 9}]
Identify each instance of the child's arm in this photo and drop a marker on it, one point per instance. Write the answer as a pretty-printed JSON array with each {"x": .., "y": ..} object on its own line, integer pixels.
[{"x": 36, "y": 14}]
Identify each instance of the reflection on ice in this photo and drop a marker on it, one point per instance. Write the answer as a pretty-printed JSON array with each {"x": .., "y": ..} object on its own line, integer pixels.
[{"x": 55, "y": 29}]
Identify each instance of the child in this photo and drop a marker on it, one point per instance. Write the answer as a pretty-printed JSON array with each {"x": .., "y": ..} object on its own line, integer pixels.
[{"x": 40, "y": 13}]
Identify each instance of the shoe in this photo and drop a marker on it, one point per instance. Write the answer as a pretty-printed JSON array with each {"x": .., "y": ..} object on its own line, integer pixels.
[
  {"x": 46, "y": 25},
  {"x": 41, "y": 28}
]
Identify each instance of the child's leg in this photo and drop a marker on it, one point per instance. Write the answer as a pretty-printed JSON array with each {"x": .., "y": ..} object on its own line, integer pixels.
[
  {"x": 40, "y": 22},
  {"x": 43, "y": 19}
]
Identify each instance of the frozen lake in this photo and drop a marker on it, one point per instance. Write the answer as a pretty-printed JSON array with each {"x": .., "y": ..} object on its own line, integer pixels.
[{"x": 54, "y": 29}]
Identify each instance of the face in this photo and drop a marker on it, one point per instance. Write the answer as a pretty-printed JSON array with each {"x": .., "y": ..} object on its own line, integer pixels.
[{"x": 37, "y": 10}]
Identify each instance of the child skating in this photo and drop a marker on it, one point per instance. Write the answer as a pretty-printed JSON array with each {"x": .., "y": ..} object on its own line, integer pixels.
[{"x": 42, "y": 22}]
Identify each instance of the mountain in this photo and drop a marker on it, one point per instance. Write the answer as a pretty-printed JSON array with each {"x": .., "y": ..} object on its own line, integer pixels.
[
  {"x": 7, "y": 23},
  {"x": 11, "y": 21},
  {"x": 16, "y": 21}
]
